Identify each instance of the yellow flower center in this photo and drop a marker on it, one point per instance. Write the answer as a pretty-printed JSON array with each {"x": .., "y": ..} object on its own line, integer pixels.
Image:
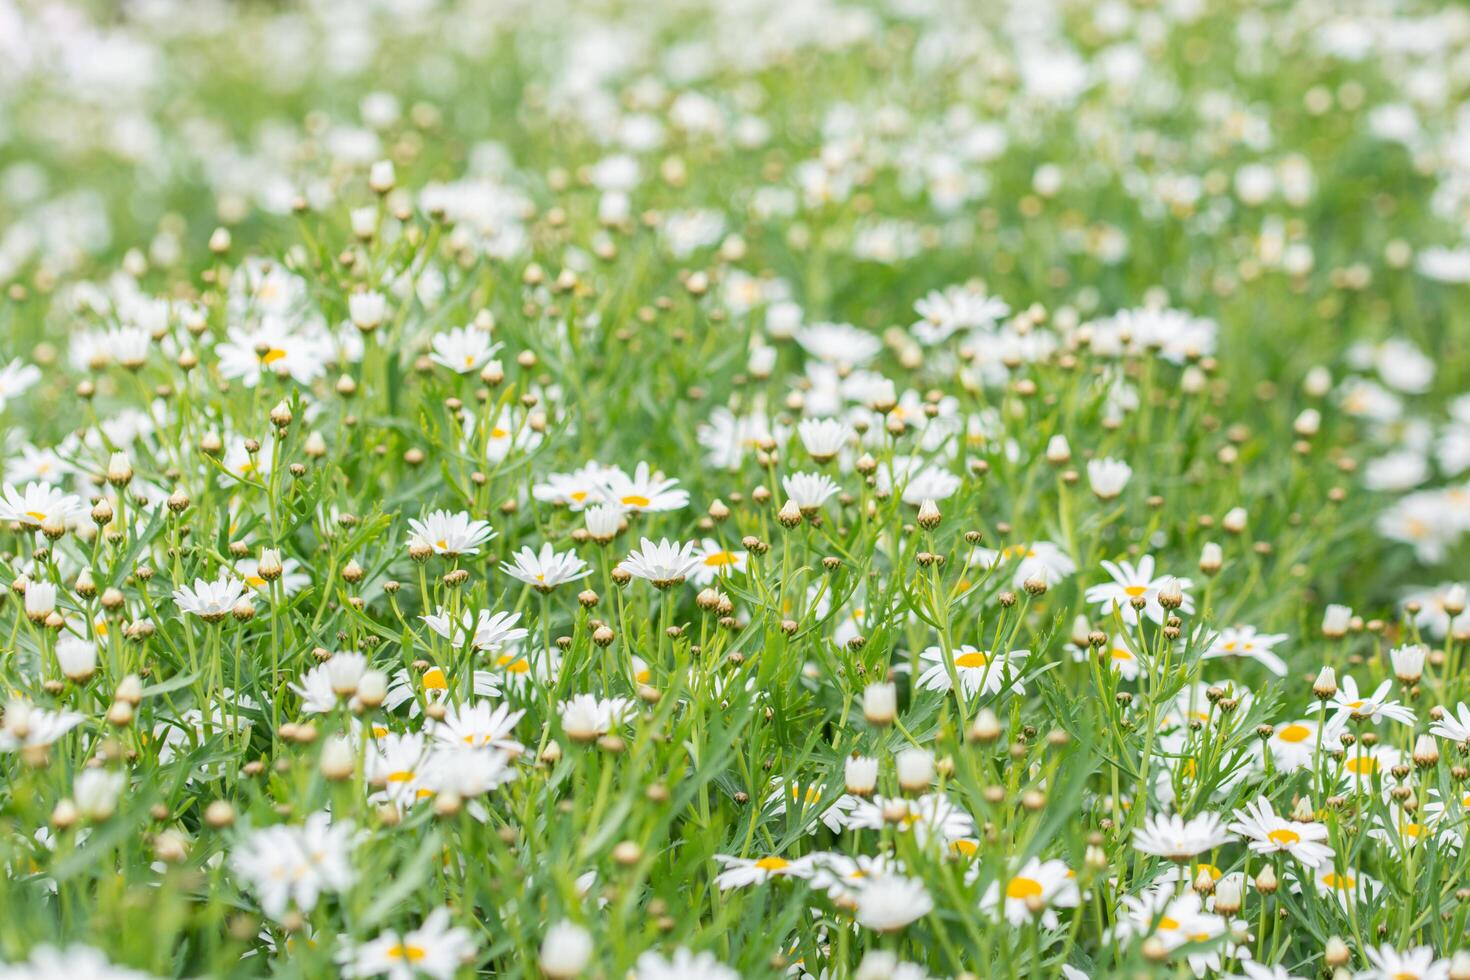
[
  {"x": 1134, "y": 591},
  {"x": 1120, "y": 653},
  {"x": 1023, "y": 888},
  {"x": 719, "y": 559},
  {"x": 634, "y": 500},
  {"x": 434, "y": 680},
  {"x": 1284, "y": 837},
  {"x": 578, "y": 495},
  {"x": 976, "y": 659},
  {"x": 412, "y": 954},
  {"x": 37, "y": 516},
  {"x": 1340, "y": 882},
  {"x": 1364, "y": 765},
  {"x": 255, "y": 581},
  {"x": 273, "y": 355},
  {"x": 772, "y": 863},
  {"x": 401, "y": 776},
  {"x": 1168, "y": 923},
  {"x": 1294, "y": 733}
]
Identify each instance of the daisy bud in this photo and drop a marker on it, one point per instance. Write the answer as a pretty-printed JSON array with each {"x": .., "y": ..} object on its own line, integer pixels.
[
  {"x": 65, "y": 815},
  {"x": 219, "y": 241},
  {"x": 86, "y": 586},
  {"x": 1408, "y": 663},
  {"x": 718, "y": 511},
  {"x": 1203, "y": 883},
  {"x": 367, "y": 310},
  {"x": 789, "y": 515},
  {"x": 929, "y": 516},
  {"x": 119, "y": 470},
  {"x": 119, "y": 714},
  {"x": 364, "y": 223},
  {"x": 1335, "y": 621},
  {"x": 352, "y": 572},
  {"x": 1171, "y": 596},
  {"x": 1303, "y": 812},
  {"x": 1058, "y": 450},
  {"x": 627, "y": 853},
  {"x": 1266, "y": 882},
  {"x": 219, "y": 814},
  {"x": 1211, "y": 558},
  {"x": 861, "y": 775},
  {"x": 493, "y": 373},
  {"x": 1095, "y": 858},
  {"x": 129, "y": 690},
  {"x": 1336, "y": 953},
  {"x": 1317, "y": 383},
  {"x": 382, "y": 177},
  {"x": 171, "y": 846},
  {"x": 1426, "y": 752},
  {"x": 1454, "y": 604},
  {"x": 1153, "y": 949},
  {"x": 588, "y": 599},
  {"x": 603, "y": 636},
  {"x": 880, "y": 703},
  {"x": 372, "y": 688},
  {"x": 337, "y": 762},
  {"x": 243, "y": 611},
  {"x": 1227, "y": 895},
  {"x": 40, "y": 601},
  {"x": 866, "y": 464},
  {"x": 269, "y": 567},
  {"x": 281, "y": 415},
  {"x": 1108, "y": 477},
  {"x": 96, "y": 791},
  {"x": 178, "y": 501},
  {"x": 102, "y": 512},
  {"x": 1308, "y": 423},
  {"x": 1193, "y": 380},
  {"x": 986, "y": 727},
  {"x": 76, "y": 657},
  {"x": 1234, "y": 520},
  {"x": 1081, "y": 630},
  {"x": 1325, "y": 686},
  {"x": 54, "y": 529},
  {"x": 915, "y": 769},
  {"x": 566, "y": 951}
]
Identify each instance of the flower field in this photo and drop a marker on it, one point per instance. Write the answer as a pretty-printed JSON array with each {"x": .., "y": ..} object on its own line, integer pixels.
[{"x": 701, "y": 489}]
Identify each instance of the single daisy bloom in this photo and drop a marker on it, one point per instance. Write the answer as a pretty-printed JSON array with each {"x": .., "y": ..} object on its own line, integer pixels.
[
  {"x": 1171, "y": 836},
  {"x": 809, "y": 491},
  {"x": 478, "y": 725},
  {"x": 1349, "y": 703},
  {"x": 682, "y": 965},
  {"x": 210, "y": 601},
  {"x": 576, "y": 490},
  {"x": 1419, "y": 963},
  {"x": 1108, "y": 477},
  {"x": 665, "y": 564},
  {"x": 1132, "y": 582},
  {"x": 715, "y": 561},
  {"x": 1294, "y": 744},
  {"x": 1361, "y": 763},
  {"x": 39, "y": 504},
  {"x": 483, "y": 630},
  {"x": 1050, "y": 883},
  {"x": 463, "y": 349},
  {"x": 1454, "y": 727},
  {"x": 289, "y": 865},
  {"x": 646, "y": 490},
  {"x": 1348, "y": 886},
  {"x": 741, "y": 872},
  {"x": 977, "y": 670},
  {"x": 1037, "y": 559},
  {"x": 396, "y": 764},
  {"x": 1266, "y": 833},
  {"x": 586, "y": 717},
  {"x": 1244, "y": 641},
  {"x": 546, "y": 569},
  {"x": 448, "y": 533},
  {"x": 891, "y": 902},
  {"x": 825, "y": 438},
  {"x": 930, "y": 815},
  {"x": 435, "y": 949},
  {"x": 27, "y": 726}
]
